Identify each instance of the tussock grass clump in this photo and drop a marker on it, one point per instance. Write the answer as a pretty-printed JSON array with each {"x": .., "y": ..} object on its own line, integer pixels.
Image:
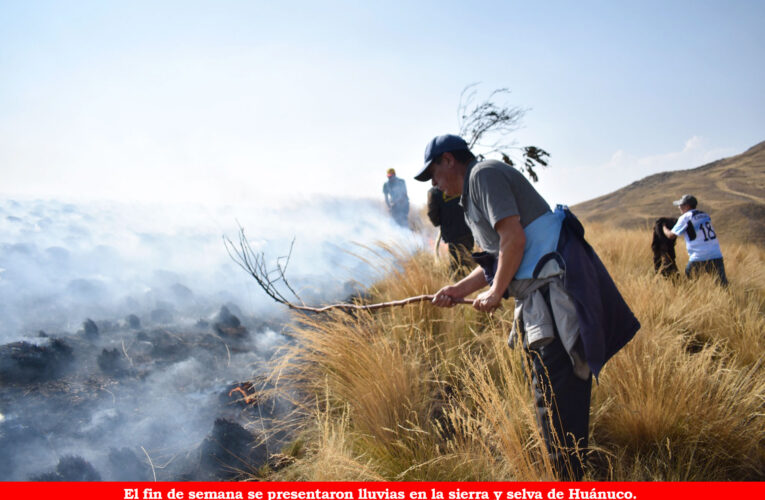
[{"x": 422, "y": 393}]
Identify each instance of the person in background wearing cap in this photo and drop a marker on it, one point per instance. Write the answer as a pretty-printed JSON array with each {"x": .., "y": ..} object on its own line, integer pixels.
[
  {"x": 396, "y": 198},
  {"x": 704, "y": 254},
  {"x": 528, "y": 250}
]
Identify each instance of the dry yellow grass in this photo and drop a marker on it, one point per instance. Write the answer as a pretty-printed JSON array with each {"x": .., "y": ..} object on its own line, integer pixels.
[{"x": 421, "y": 393}]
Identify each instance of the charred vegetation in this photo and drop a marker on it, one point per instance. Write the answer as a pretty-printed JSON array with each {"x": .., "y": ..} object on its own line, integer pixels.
[{"x": 105, "y": 382}]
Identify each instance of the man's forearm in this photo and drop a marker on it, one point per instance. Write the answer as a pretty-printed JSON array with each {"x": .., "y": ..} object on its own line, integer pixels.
[
  {"x": 512, "y": 241},
  {"x": 472, "y": 282},
  {"x": 447, "y": 296},
  {"x": 508, "y": 262}
]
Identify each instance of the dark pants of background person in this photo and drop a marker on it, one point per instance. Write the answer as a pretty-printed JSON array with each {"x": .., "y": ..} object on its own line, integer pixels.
[
  {"x": 563, "y": 408},
  {"x": 714, "y": 266},
  {"x": 460, "y": 254}
]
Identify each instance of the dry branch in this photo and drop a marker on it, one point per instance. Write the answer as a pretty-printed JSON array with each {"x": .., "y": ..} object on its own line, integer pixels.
[
  {"x": 489, "y": 123},
  {"x": 254, "y": 264}
]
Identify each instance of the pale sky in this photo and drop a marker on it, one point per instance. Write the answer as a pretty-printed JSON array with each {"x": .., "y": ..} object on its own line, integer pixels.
[{"x": 236, "y": 101}]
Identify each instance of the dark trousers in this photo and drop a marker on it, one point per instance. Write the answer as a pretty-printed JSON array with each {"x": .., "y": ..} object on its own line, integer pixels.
[
  {"x": 563, "y": 408},
  {"x": 714, "y": 266},
  {"x": 460, "y": 252}
]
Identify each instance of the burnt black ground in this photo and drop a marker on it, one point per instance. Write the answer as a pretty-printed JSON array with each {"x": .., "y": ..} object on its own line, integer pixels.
[{"x": 115, "y": 401}]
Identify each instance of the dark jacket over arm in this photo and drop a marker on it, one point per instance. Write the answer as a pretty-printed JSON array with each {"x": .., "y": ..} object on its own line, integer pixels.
[{"x": 605, "y": 320}]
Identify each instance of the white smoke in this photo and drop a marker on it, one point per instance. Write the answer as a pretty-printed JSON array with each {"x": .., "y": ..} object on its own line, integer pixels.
[{"x": 62, "y": 263}]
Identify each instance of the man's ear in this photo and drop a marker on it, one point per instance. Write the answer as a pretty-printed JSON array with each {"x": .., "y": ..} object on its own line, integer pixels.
[{"x": 448, "y": 159}]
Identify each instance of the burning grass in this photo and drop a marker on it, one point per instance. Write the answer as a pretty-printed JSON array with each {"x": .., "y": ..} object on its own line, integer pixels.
[{"x": 421, "y": 393}]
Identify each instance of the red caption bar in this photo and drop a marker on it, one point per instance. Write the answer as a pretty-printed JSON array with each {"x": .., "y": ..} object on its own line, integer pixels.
[{"x": 380, "y": 491}]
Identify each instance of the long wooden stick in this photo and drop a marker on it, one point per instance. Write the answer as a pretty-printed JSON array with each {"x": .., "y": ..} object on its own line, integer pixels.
[
  {"x": 369, "y": 307},
  {"x": 255, "y": 265}
]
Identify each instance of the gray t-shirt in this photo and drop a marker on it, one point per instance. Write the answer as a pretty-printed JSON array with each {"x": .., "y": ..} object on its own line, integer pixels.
[{"x": 492, "y": 191}]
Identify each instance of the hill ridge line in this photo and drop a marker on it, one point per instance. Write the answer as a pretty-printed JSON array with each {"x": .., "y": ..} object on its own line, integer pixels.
[{"x": 731, "y": 189}]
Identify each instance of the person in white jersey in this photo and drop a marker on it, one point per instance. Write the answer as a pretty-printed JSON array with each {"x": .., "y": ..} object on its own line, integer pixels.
[{"x": 700, "y": 239}]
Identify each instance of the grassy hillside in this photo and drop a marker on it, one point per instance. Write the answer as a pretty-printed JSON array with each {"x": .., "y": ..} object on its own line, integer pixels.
[
  {"x": 422, "y": 393},
  {"x": 731, "y": 190}
]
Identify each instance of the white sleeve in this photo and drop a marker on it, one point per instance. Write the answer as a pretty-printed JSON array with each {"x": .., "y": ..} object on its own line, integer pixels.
[{"x": 681, "y": 225}]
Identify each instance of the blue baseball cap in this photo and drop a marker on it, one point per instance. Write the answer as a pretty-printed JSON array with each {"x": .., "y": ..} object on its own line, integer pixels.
[{"x": 435, "y": 148}]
